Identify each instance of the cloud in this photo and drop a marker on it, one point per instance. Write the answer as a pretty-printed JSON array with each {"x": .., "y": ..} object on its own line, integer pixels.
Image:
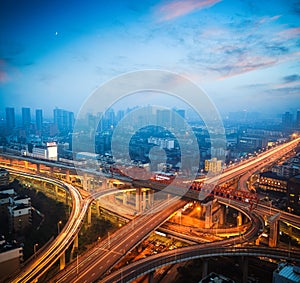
[
  {"x": 254, "y": 86},
  {"x": 265, "y": 20},
  {"x": 179, "y": 8},
  {"x": 296, "y": 8},
  {"x": 3, "y": 77},
  {"x": 291, "y": 78},
  {"x": 287, "y": 34},
  {"x": 3, "y": 72},
  {"x": 285, "y": 91}
]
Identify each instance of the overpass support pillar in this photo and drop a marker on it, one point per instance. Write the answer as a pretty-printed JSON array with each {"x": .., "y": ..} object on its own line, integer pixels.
[
  {"x": 151, "y": 277},
  {"x": 124, "y": 198},
  {"x": 51, "y": 171},
  {"x": 204, "y": 268},
  {"x": 75, "y": 243},
  {"x": 138, "y": 199},
  {"x": 86, "y": 182},
  {"x": 56, "y": 190},
  {"x": 150, "y": 198},
  {"x": 144, "y": 201},
  {"x": 89, "y": 216},
  {"x": 26, "y": 164},
  {"x": 274, "y": 228},
  {"x": 245, "y": 269},
  {"x": 208, "y": 214},
  {"x": 67, "y": 198},
  {"x": 62, "y": 261},
  {"x": 38, "y": 167},
  {"x": 98, "y": 207},
  {"x": 74, "y": 247},
  {"x": 239, "y": 219},
  {"x": 222, "y": 215},
  {"x": 68, "y": 176}
]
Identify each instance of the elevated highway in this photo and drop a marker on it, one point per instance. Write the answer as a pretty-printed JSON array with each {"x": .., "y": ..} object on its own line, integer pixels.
[
  {"x": 150, "y": 264},
  {"x": 35, "y": 269},
  {"x": 115, "y": 246},
  {"x": 97, "y": 262},
  {"x": 44, "y": 260}
]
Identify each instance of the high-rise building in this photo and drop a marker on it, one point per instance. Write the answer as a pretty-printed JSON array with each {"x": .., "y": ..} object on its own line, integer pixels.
[
  {"x": 164, "y": 118},
  {"x": 63, "y": 119},
  {"x": 26, "y": 117},
  {"x": 287, "y": 120},
  {"x": 178, "y": 118},
  {"x": 298, "y": 119},
  {"x": 293, "y": 194},
  {"x": 10, "y": 118},
  {"x": 39, "y": 119}
]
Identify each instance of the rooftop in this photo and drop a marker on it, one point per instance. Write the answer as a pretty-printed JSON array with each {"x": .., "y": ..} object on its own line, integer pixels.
[
  {"x": 216, "y": 278},
  {"x": 270, "y": 174},
  {"x": 288, "y": 271}
]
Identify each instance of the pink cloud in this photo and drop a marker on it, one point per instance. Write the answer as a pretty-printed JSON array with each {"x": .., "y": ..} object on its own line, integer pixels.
[
  {"x": 3, "y": 73},
  {"x": 289, "y": 33},
  {"x": 179, "y": 8},
  {"x": 268, "y": 19},
  {"x": 3, "y": 77},
  {"x": 252, "y": 63}
]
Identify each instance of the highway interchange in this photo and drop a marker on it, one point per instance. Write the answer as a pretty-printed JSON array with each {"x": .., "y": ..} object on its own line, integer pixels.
[{"x": 114, "y": 248}]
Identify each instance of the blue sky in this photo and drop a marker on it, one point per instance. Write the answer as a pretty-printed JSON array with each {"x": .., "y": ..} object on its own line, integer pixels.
[{"x": 244, "y": 54}]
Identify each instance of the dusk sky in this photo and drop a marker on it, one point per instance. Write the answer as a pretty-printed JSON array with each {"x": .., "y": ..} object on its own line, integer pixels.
[{"x": 244, "y": 54}]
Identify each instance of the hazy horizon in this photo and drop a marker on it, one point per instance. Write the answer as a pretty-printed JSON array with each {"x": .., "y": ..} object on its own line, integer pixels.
[{"x": 243, "y": 54}]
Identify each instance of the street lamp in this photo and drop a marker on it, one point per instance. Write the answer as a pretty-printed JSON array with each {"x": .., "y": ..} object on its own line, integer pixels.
[
  {"x": 34, "y": 249},
  {"x": 58, "y": 226}
]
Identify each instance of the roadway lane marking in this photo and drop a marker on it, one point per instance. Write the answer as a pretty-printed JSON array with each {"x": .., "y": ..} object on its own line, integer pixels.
[{"x": 93, "y": 274}]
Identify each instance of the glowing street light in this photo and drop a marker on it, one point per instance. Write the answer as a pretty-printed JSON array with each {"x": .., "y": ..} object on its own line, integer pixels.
[
  {"x": 34, "y": 249},
  {"x": 58, "y": 226}
]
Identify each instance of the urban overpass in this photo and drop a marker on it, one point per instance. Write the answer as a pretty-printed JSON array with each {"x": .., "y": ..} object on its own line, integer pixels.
[
  {"x": 150, "y": 264},
  {"x": 80, "y": 207}
]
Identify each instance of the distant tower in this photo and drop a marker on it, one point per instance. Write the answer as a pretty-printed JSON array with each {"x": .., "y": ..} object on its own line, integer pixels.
[
  {"x": 63, "y": 119},
  {"x": 10, "y": 118},
  {"x": 178, "y": 118},
  {"x": 287, "y": 120},
  {"x": 39, "y": 119},
  {"x": 26, "y": 117},
  {"x": 164, "y": 118}
]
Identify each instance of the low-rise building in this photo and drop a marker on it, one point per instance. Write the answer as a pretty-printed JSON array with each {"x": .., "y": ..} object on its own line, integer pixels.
[
  {"x": 213, "y": 165},
  {"x": 4, "y": 203},
  {"x": 270, "y": 181},
  {"x": 7, "y": 190},
  {"x": 216, "y": 278},
  {"x": 286, "y": 273},
  {"x": 19, "y": 214},
  {"x": 4, "y": 177},
  {"x": 11, "y": 256}
]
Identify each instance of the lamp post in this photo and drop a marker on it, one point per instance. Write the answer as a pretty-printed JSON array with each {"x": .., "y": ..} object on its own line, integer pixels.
[
  {"x": 34, "y": 249},
  {"x": 58, "y": 226}
]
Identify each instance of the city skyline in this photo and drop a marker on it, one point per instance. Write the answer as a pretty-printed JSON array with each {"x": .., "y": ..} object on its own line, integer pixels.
[
  {"x": 244, "y": 55},
  {"x": 37, "y": 115}
]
